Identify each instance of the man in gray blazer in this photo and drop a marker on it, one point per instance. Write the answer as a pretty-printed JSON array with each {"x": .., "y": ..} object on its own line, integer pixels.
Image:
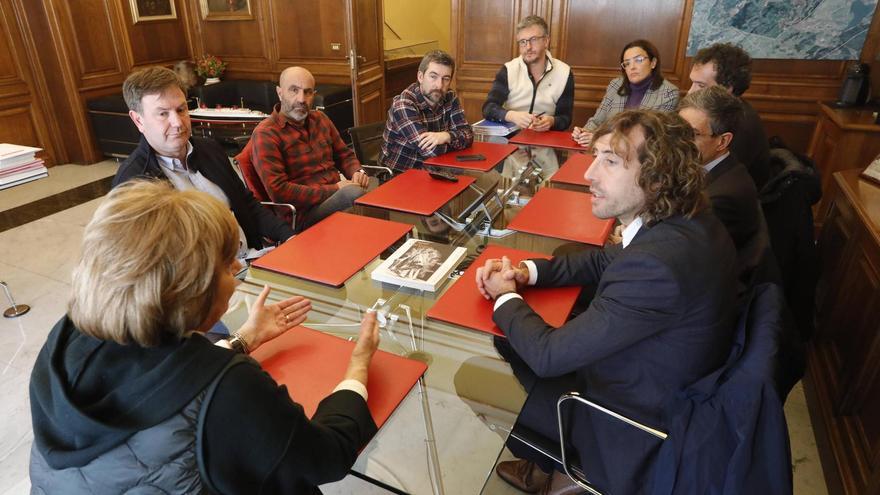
[{"x": 662, "y": 315}]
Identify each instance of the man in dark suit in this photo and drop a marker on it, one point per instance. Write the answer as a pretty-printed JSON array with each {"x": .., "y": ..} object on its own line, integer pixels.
[
  {"x": 730, "y": 67},
  {"x": 661, "y": 317},
  {"x": 157, "y": 105},
  {"x": 714, "y": 114}
]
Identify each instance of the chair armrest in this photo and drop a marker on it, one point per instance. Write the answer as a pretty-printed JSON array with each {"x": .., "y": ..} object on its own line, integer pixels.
[
  {"x": 574, "y": 396},
  {"x": 379, "y": 170},
  {"x": 283, "y": 205}
]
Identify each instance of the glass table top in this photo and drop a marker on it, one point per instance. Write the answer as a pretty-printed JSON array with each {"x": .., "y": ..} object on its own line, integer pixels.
[{"x": 446, "y": 435}]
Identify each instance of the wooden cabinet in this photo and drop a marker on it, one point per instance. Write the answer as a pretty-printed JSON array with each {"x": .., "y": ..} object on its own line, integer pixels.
[
  {"x": 843, "y": 139},
  {"x": 843, "y": 377}
]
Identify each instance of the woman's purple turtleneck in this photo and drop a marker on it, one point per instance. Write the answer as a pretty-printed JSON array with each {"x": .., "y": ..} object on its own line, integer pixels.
[{"x": 637, "y": 93}]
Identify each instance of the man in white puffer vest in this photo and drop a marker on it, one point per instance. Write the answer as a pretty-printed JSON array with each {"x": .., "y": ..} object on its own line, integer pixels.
[{"x": 534, "y": 91}]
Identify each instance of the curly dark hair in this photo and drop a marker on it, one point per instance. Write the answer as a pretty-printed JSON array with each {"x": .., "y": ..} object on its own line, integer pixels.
[
  {"x": 733, "y": 65},
  {"x": 653, "y": 54},
  {"x": 670, "y": 175}
]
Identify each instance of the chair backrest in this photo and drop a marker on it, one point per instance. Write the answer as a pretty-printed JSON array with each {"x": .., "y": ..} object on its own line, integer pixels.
[
  {"x": 367, "y": 142},
  {"x": 727, "y": 432},
  {"x": 249, "y": 173}
]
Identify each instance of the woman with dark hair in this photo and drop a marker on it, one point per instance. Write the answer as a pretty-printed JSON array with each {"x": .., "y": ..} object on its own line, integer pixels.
[
  {"x": 128, "y": 396},
  {"x": 640, "y": 85}
]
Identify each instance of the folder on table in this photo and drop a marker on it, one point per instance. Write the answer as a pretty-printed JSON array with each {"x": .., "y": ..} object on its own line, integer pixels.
[
  {"x": 312, "y": 363},
  {"x": 550, "y": 139},
  {"x": 415, "y": 191},
  {"x": 334, "y": 249},
  {"x": 494, "y": 153},
  {"x": 573, "y": 170},
  {"x": 463, "y": 305},
  {"x": 564, "y": 215}
]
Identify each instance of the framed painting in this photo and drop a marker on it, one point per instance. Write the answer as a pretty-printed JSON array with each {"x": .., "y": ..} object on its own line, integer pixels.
[
  {"x": 226, "y": 10},
  {"x": 152, "y": 10}
]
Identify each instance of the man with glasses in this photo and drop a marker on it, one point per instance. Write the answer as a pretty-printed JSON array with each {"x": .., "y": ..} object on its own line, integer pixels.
[
  {"x": 299, "y": 156},
  {"x": 534, "y": 91},
  {"x": 714, "y": 114}
]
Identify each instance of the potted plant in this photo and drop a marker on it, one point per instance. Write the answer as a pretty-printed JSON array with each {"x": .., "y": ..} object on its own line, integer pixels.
[{"x": 211, "y": 68}]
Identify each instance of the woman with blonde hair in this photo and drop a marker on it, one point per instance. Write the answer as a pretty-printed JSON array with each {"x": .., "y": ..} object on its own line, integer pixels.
[{"x": 128, "y": 396}]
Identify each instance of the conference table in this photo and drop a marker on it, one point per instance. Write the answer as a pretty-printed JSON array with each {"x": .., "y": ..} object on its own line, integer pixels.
[{"x": 447, "y": 434}]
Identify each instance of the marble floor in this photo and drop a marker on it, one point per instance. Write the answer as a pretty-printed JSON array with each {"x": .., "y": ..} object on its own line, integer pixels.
[{"x": 36, "y": 257}]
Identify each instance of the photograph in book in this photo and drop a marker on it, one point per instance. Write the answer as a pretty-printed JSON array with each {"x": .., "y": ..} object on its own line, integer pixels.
[{"x": 419, "y": 264}]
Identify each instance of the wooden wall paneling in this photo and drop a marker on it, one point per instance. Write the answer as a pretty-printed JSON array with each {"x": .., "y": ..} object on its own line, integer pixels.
[
  {"x": 843, "y": 386},
  {"x": 364, "y": 33},
  {"x": 245, "y": 44},
  {"x": 95, "y": 46},
  {"x": 157, "y": 42},
  {"x": 22, "y": 112},
  {"x": 322, "y": 48},
  {"x": 90, "y": 36}
]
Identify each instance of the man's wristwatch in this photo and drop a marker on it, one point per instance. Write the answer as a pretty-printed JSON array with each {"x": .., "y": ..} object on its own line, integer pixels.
[{"x": 238, "y": 344}]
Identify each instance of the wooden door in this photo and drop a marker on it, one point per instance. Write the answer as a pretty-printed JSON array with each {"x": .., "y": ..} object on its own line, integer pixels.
[
  {"x": 23, "y": 119},
  {"x": 363, "y": 27}
]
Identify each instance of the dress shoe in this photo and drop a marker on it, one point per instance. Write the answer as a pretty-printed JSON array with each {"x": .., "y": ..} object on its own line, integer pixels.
[
  {"x": 522, "y": 474},
  {"x": 561, "y": 484}
]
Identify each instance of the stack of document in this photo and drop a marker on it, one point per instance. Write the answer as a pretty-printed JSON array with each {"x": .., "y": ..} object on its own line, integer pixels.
[
  {"x": 19, "y": 164},
  {"x": 492, "y": 128}
]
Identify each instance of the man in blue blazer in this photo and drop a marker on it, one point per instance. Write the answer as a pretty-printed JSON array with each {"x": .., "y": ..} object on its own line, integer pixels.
[{"x": 661, "y": 318}]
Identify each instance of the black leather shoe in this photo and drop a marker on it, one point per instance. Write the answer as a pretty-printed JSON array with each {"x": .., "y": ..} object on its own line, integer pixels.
[{"x": 522, "y": 474}]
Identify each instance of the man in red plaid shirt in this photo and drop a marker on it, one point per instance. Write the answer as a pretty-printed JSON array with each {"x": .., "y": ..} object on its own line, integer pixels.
[
  {"x": 299, "y": 156},
  {"x": 426, "y": 119}
]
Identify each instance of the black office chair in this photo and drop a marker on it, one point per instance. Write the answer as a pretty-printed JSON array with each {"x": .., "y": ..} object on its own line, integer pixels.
[
  {"x": 742, "y": 460},
  {"x": 366, "y": 140}
]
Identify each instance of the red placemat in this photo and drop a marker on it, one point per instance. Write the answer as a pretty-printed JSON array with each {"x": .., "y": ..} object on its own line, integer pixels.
[
  {"x": 334, "y": 249},
  {"x": 573, "y": 170},
  {"x": 564, "y": 215},
  {"x": 311, "y": 364},
  {"x": 414, "y": 191},
  {"x": 463, "y": 305},
  {"x": 494, "y": 153},
  {"x": 550, "y": 139}
]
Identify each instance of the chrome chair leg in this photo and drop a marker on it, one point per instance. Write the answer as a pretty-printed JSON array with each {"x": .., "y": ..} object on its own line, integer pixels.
[{"x": 15, "y": 310}]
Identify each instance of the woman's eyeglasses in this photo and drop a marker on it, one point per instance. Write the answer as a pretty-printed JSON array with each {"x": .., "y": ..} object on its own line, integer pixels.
[{"x": 639, "y": 59}]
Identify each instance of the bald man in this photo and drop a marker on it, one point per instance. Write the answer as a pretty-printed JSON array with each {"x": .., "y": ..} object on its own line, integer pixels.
[{"x": 299, "y": 156}]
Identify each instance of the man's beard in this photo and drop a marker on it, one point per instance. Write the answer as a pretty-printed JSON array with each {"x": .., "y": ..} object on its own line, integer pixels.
[
  {"x": 434, "y": 96},
  {"x": 296, "y": 111}
]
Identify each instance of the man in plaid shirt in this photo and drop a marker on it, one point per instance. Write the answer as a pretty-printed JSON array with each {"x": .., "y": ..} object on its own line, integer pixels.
[
  {"x": 299, "y": 156},
  {"x": 426, "y": 119}
]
